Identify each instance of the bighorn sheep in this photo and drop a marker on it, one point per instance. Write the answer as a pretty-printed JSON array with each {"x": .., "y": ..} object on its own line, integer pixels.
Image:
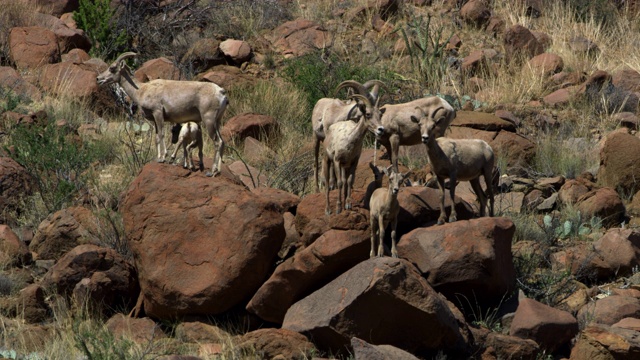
[
  {"x": 402, "y": 129},
  {"x": 378, "y": 175},
  {"x": 459, "y": 159},
  {"x": 384, "y": 211},
  {"x": 187, "y": 136},
  {"x": 343, "y": 145},
  {"x": 173, "y": 101},
  {"x": 328, "y": 111}
]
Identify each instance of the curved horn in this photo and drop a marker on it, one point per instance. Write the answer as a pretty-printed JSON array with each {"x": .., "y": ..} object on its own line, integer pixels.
[
  {"x": 375, "y": 86},
  {"x": 124, "y": 56},
  {"x": 365, "y": 99},
  {"x": 354, "y": 85}
]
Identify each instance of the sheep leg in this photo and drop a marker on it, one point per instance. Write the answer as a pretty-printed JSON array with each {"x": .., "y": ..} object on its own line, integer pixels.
[
  {"x": 316, "y": 149},
  {"x": 340, "y": 177},
  {"x": 158, "y": 117},
  {"x": 213, "y": 121},
  {"x": 188, "y": 149},
  {"x": 373, "y": 225},
  {"x": 394, "y": 250},
  {"x": 482, "y": 199},
  {"x": 200, "y": 155},
  {"x": 488, "y": 179},
  {"x": 395, "y": 148},
  {"x": 452, "y": 183},
  {"x": 325, "y": 172},
  {"x": 381, "y": 229},
  {"x": 350, "y": 180},
  {"x": 175, "y": 151},
  {"x": 443, "y": 213}
]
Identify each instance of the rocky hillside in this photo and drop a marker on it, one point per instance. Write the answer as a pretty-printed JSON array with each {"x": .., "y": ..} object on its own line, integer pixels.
[{"x": 107, "y": 253}]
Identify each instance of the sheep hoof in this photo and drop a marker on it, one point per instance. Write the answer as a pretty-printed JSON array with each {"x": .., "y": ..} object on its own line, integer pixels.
[
  {"x": 453, "y": 219},
  {"x": 161, "y": 161},
  {"x": 347, "y": 207},
  {"x": 212, "y": 174},
  {"x": 327, "y": 212},
  {"x": 440, "y": 221}
]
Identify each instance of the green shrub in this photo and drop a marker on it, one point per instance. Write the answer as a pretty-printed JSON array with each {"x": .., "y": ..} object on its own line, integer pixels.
[
  {"x": 426, "y": 45},
  {"x": 97, "y": 19},
  {"x": 58, "y": 163},
  {"x": 318, "y": 75}
]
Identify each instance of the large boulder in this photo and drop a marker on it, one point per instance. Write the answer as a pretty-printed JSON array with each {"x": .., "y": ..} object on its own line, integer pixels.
[
  {"x": 58, "y": 7},
  {"x": 466, "y": 258},
  {"x": 64, "y": 230},
  {"x": 609, "y": 310},
  {"x": 381, "y": 301},
  {"x": 619, "y": 155},
  {"x": 140, "y": 330},
  {"x": 333, "y": 253},
  {"x": 258, "y": 126},
  {"x": 550, "y": 328},
  {"x": 519, "y": 41},
  {"x": 311, "y": 221},
  {"x": 32, "y": 46},
  {"x": 276, "y": 344},
  {"x": 13, "y": 251},
  {"x": 94, "y": 274},
  {"x": 69, "y": 78},
  {"x": 362, "y": 350},
  {"x": 201, "y": 244},
  {"x": 160, "y": 68},
  {"x": 476, "y": 12},
  {"x": 603, "y": 342},
  {"x": 299, "y": 37},
  {"x": 238, "y": 51},
  {"x": 17, "y": 184},
  {"x": 616, "y": 253},
  {"x": 420, "y": 206},
  {"x": 605, "y": 203},
  {"x": 10, "y": 77}
]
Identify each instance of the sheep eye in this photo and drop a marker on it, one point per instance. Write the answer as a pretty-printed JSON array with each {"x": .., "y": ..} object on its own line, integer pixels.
[{"x": 415, "y": 119}]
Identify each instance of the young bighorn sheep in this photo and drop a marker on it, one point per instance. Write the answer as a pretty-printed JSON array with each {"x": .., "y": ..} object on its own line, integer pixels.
[
  {"x": 459, "y": 159},
  {"x": 328, "y": 111},
  {"x": 173, "y": 101},
  {"x": 187, "y": 136},
  {"x": 343, "y": 145},
  {"x": 378, "y": 175},
  {"x": 401, "y": 127},
  {"x": 384, "y": 211}
]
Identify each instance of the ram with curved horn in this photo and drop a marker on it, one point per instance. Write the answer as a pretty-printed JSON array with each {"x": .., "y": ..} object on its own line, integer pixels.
[
  {"x": 173, "y": 101},
  {"x": 329, "y": 111},
  {"x": 343, "y": 145}
]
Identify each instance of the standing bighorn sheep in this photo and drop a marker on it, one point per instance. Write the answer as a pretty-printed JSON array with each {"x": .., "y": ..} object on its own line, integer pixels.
[
  {"x": 343, "y": 145},
  {"x": 187, "y": 136},
  {"x": 459, "y": 159},
  {"x": 402, "y": 129},
  {"x": 384, "y": 211},
  {"x": 328, "y": 111},
  {"x": 173, "y": 101},
  {"x": 378, "y": 175}
]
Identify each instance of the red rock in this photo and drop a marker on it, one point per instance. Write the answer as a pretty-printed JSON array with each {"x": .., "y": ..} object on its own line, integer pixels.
[
  {"x": 277, "y": 343},
  {"x": 141, "y": 331},
  {"x": 619, "y": 155},
  {"x": 299, "y": 37},
  {"x": 31, "y": 47},
  {"x": 231, "y": 242},
  {"x": 469, "y": 259},
  {"x": 160, "y": 68},
  {"x": 571, "y": 191},
  {"x": 475, "y": 12},
  {"x": 628, "y": 323},
  {"x": 482, "y": 121},
  {"x": 19, "y": 85},
  {"x": 362, "y": 350},
  {"x": 627, "y": 79},
  {"x": 59, "y": 7},
  {"x": 546, "y": 64},
  {"x": 261, "y": 127},
  {"x": 519, "y": 40},
  {"x": 239, "y": 51},
  {"x": 602, "y": 342},
  {"x": 604, "y": 203},
  {"x": 367, "y": 301},
  {"x": 550, "y": 328},
  {"x": 13, "y": 252},
  {"x": 511, "y": 347},
  {"x": 610, "y": 310},
  {"x": 68, "y": 78}
]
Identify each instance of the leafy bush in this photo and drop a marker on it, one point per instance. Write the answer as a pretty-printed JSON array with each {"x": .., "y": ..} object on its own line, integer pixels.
[
  {"x": 97, "y": 19},
  {"x": 426, "y": 48},
  {"x": 318, "y": 75},
  {"x": 58, "y": 162}
]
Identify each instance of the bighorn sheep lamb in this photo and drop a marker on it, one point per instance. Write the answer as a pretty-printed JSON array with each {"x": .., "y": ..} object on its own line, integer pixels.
[
  {"x": 459, "y": 159},
  {"x": 328, "y": 111},
  {"x": 343, "y": 145},
  {"x": 401, "y": 126},
  {"x": 187, "y": 136},
  {"x": 384, "y": 211},
  {"x": 173, "y": 101},
  {"x": 378, "y": 175}
]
